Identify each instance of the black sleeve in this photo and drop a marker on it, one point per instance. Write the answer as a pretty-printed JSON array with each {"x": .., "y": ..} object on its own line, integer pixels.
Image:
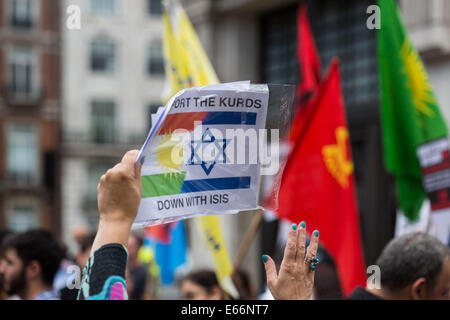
[{"x": 104, "y": 274}]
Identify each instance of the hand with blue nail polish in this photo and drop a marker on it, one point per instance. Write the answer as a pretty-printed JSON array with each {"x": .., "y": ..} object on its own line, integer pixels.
[{"x": 295, "y": 280}]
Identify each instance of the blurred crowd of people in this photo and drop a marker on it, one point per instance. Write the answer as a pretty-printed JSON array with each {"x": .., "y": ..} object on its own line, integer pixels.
[{"x": 34, "y": 266}]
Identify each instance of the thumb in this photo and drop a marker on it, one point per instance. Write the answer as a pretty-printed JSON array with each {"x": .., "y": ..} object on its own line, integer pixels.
[
  {"x": 271, "y": 271},
  {"x": 128, "y": 161},
  {"x": 138, "y": 167}
]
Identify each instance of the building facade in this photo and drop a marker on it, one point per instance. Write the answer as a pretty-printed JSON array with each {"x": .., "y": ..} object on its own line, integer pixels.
[
  {"x": 113, "y": 75},
  {"x": 256, "y": 40},
  {"x": 30, "y": 112}
]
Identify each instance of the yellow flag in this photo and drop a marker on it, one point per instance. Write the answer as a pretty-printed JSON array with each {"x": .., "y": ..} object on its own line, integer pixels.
[
  {"x": 186, "y": 62},
  {"x": 212, "y": 235},
  {"x": 186, "y": 66}
]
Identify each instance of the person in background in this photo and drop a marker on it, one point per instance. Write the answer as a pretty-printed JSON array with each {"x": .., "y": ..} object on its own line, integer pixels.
[
  {"x": 138, "y": 271},
  {"x": 79, "y": 233},
  {"x": 326, "y": 280},
  {"x": 66, "y": 274},
  {"x": 85, "y": 246},
  {"x": 146, "y": 256},
  {"x": 63, "y": 276},
  {"x": 414, "y": 266},
  {"x": 31, "y": 260},
  {"x": 201, "y": 285},
  {"x": 3, "y": 235},
  {"x": 129, "y": 282},
  {"x": 243, "y": 284}
]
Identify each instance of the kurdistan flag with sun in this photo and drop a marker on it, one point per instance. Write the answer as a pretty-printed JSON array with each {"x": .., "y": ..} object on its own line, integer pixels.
[{"x": 410, "y": 115}]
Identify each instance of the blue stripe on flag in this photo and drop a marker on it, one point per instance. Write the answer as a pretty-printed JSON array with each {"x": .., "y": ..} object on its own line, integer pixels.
[
  {"x": 215, "y": 184},
  {"x": 219, "y": 118},
  {"x": 172, "y": 255}
]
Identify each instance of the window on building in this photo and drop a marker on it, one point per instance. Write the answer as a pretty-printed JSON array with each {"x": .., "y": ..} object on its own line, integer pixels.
[
  {"x": 340, "y": 30},
  {"x": 22, "y": 13},
  {"x": 155, "y": 7},
  {"x": 103, "y": 126},
  {"x": 103, "y": 55},
  {"x": 155, "y": 65},
  {"x": 22, "y": 216},
  {"x": 22, "y": 153},
  {"x": 103, "y": 7},
  {"x": 279, "y": 60},
  {"x": 22, "y": 72}
]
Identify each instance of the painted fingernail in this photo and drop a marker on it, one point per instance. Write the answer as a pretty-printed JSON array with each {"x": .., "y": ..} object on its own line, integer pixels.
[
  {"x": 303, "y": 224},
  {"x": 294, "y": 226},
  {"x": 142, "y": 160},
  {"x": 264, "y": 257},
  {"x": 316, "y": 233}
]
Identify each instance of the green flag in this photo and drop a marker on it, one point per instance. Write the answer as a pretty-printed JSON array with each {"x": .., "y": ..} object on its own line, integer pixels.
[{"x": 410, "y": 115}]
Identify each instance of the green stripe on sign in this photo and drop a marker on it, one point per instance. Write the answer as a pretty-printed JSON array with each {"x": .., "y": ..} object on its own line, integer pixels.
[{"x": 156, "y": 185}]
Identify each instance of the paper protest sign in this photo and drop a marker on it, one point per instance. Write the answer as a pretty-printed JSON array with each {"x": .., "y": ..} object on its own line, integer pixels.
[{"x": 201, "y": 154}]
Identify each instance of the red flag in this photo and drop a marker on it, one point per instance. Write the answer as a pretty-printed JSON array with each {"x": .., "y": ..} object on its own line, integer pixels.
[
  {"x": 310, "y": 66},
  {"x": 161, "y": 232},
  {"x": 310, "y": 70},
  {"x": 318, "y": 182}
]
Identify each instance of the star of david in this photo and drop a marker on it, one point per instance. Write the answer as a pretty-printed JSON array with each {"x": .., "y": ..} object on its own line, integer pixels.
[{"x": 219, "y": 151}]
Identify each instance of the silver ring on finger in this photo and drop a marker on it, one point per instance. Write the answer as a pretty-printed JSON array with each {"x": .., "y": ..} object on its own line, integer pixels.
[{"x": 313, "y": 262}]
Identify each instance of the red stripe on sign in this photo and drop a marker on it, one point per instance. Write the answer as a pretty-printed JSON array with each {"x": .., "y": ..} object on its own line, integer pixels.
[
  {"x": 438, "y": 206},
  {"x": 436, "y": 168},
  {"x": 184, "y": 121}
]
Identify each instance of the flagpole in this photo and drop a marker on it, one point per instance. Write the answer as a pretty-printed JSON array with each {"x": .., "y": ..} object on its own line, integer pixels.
[{"x": 248, "y": 238}]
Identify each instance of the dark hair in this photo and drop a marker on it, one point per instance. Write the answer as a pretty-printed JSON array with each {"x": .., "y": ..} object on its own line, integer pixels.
[
  {"x": 410, "y": 257},
  {"x": 37, "y": 245},
  {"x": 4, "y": 233},
  {"x": 204, "y": 278},
  {"x": 242, "y": 282},
  {"x": 86, "y": 242}
]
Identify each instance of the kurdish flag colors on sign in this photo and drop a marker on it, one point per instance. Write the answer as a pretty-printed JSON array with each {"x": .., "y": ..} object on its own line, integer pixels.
[{"x": 200, "y": 157}]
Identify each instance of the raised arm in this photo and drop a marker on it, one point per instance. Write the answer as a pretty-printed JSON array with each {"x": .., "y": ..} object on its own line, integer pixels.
[{"x": 118, "y": 194}]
